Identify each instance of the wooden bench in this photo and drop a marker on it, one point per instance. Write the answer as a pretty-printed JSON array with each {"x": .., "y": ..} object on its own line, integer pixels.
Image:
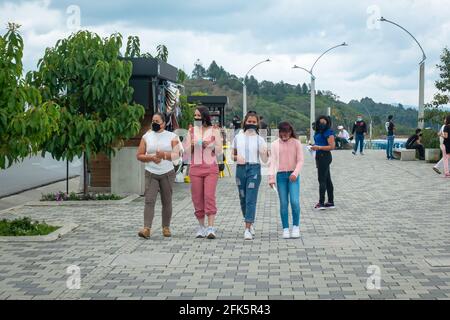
[{"x": 404, "y": 154}]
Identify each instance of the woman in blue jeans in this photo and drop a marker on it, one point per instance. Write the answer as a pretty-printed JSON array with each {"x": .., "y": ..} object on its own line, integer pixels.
[
  {"x": 286, "y": 162},
  {"x": 249, "y": 148}
]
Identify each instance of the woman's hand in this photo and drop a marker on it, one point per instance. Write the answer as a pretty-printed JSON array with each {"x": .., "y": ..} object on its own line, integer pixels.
[
  {"x": 315, "y": 148},
  {"x": 293, "y": 178},
  {"x": 160, "y": 154},
  {"x": 272, "y": 185},
  {"x": 155, "y": 159},
  {"x": 240, "y": 160}
]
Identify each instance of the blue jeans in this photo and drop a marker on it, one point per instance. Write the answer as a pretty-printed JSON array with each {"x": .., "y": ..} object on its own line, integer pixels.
[
  {"x": 359, "y": 139},
  {"x": 288, "y": 190},
  {"x": 390, "y": 145},
  {"x": 248, "y": 180}
]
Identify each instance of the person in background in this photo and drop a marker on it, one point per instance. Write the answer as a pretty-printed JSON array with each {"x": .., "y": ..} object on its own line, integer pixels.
[
  {"x": 265, "y": 127},
  {"x": 249, "y": 150},
  {"x": 359, "y": 131},
  {"x": 204, "y": 144},
  {"x": 414, "y": 143},
  {"x": 237, "y": 123},
  {"x": 390, "y": 129},
  {"x": 158, "y": 148},
  {"x": 446, "y": 136},
  {"x": 286, "y": 163},
  {"x": 440, "y": 164},
  {"x": 342, "y": 137},
  {"x": 324, "y": 143}
]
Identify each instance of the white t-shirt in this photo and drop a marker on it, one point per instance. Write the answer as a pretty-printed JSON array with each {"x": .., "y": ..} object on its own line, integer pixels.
[
  {"x": 155, "y": 141},
  {"x": 344, "y": 134},
  {"x": 248, "y": 146},
  {"x": 441, "y": 139}
]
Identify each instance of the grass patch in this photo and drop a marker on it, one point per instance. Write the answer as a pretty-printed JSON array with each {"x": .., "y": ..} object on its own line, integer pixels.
[
  {"x": 25, "y": 227},
  {"x": 62, "y": 196}
]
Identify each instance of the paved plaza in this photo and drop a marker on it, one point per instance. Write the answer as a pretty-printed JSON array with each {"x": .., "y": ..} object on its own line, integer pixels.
[{"x": 390, "y": 214}]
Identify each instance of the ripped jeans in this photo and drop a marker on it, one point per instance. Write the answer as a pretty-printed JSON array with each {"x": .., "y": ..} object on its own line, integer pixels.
[{"x": 248, "y": 180}]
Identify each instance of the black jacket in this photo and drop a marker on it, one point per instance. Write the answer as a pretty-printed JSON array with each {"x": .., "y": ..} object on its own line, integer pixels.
[{"x": 359, "y": 127}]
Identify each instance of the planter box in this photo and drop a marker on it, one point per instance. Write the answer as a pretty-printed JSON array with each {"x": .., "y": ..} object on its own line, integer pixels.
[{"x": 432, "y": 155}]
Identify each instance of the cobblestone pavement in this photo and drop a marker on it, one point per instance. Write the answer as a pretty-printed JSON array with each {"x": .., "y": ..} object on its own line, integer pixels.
[{"x": 391, "y": 214}]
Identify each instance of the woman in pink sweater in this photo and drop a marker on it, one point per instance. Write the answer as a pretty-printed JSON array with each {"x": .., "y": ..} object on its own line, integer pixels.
[{"x": 285, "y": 166}]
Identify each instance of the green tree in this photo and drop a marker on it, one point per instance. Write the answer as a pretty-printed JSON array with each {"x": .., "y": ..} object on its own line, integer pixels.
[
  {"x": 182, "y": 76},
  {"x": 443, "y": 85},
  {"x": 199, "y": 71},
  {"x": 84, "y": 75},
  {"x": 25, "y": 122},
  {"x": 162, "y": 52},
  {"x": 305, "y": 89}
]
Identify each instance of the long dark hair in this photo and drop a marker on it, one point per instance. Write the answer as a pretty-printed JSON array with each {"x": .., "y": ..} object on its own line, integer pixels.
[
  {"x": 206, "y": 117},
  {"x": 287, "y": 127},
  {"x": 161, "y": 115},
  {"x": 326, "y": 118},
  {"x": 252, "y": 114},
  {"x": 447, "y": 120}
]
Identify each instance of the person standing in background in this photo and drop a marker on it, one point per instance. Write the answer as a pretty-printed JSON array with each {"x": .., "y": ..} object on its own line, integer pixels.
[
  {"x": 359, "y": 131},
  {"x": 390, "y": 128},
  {"x": 440, "y": 164},
  {"x": 446, "y": 136}
]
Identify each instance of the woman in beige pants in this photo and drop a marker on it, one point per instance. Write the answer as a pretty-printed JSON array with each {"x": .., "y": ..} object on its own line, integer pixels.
[{"x": 158, "y": 148}]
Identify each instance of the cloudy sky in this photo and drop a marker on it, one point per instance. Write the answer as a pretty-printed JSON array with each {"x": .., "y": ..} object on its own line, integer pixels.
[{"x": 381, "y": 62}]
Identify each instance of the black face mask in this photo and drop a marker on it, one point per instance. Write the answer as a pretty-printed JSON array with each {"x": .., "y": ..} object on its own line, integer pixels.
[
  {"x": 251, "y": 127},
  {"x": 156, "y": 127},
  {"x": 322, "y": 127}
]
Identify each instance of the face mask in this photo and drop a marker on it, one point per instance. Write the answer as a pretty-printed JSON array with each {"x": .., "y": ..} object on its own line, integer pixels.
[
  {"x": 156, "y": 127},
  {"x": 250, "y": 127},
  {"x": 198, "y": 122},
  {"x": 359, "y": 119},
  {"x": 322, "y": 127}
]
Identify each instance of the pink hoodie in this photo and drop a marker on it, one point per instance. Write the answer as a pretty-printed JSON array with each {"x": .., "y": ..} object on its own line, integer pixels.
[{"x": 285, "y": 156}]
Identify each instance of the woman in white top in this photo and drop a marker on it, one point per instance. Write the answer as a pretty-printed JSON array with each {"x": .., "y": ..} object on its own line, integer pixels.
[
  {"x": 249, "y": 148},
  {"x": 158, "y": 148},
  {"x": 440, "y": 164}
]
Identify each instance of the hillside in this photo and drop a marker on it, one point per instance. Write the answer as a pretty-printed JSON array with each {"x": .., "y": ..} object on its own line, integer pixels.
[{"x": 282, "y": 101}]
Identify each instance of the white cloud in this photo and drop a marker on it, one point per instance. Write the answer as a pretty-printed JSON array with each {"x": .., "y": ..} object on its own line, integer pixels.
[{"x": 380, "y": 63}]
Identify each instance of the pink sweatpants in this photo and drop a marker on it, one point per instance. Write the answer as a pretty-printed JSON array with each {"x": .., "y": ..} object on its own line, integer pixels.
[{"x": 203, "y": 189}]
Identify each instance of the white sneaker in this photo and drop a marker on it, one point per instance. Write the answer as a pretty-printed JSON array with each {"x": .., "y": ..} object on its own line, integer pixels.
[
  {"x": 211, "y": 233},
  {"x": 248, "y": 235},
  {"x": 201, "y": 232},
  {"x": 286, "y": 234},
  {"x": 295, "y": 232},
  {"x": 252, "y": 230}
]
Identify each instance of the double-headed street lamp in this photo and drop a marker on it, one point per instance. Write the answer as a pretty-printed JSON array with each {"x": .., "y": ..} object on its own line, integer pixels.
[
  {"x": 244, "y": 93},
  {"x": 421, "y": 74},
  {"x": 313, "y": 88}
]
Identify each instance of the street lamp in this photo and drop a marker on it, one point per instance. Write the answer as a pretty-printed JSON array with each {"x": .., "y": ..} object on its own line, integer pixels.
[
  {"x": 313, "y": 89},
  {"x": 244, "y": 93},
  {"x": 421, "y": 74}
]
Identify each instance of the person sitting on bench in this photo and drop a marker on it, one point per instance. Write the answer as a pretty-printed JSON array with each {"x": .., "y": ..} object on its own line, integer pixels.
[
  {"x": 342, "y": 138},
  {"x": 414, "y": 143}
]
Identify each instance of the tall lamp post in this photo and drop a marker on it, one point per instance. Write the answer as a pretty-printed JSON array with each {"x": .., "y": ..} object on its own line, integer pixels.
[
  {"x": 244, "y": 93},
  {"x": 421, "y": 74},
  {"x": 313, "y": 89}
]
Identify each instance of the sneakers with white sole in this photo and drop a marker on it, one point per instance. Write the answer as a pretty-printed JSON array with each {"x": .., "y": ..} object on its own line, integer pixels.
[
  {"x": 252, "y": 230},
  {"x": 201, "y": 232},
  {"x": 211, "y": 233},
  {"x": 286, "y": 234},
  {"x": 248, "y": 235},
  {"x": 295, "y": 232}
]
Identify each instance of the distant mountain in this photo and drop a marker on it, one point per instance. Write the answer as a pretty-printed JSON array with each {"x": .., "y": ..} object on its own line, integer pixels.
[{"x": 283, "y": 101}]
